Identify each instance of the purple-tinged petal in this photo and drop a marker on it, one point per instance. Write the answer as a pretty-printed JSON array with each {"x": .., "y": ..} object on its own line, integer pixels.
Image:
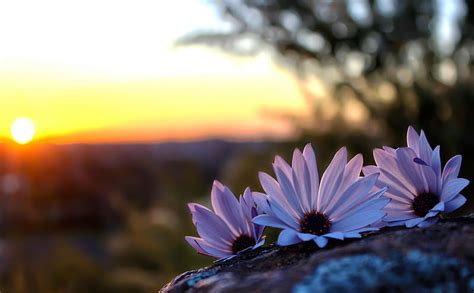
[
  {"x": 451, "y": 169},
  {"x": 452, "y": 188},
  {"x": 261, "y": 200},
  {"x": 420, "y": 161},
  {"x": 426, "y": 151},
  {"x": 397, "y": 206},
  {"x": 301, "y": 180},
  {"x": 192, "y": 241},
  {"x": 335, "y": 235},
  {"x": 310, "y": 157},
  {"x": 413, "y": 139},
  {"x": 396, "y": 223},
  {"x": 248, "y": 205},
  {"x": 273, "y": 190},
  {"x": 399, "y": 216},
  {"x": 352, "y": 235},
  {"x": 212, "y": 228},
  {"x": 355, "y": 194},
  {"x": 370, "y": 169},
  {"x": 431, "y": 214},
  {"x": 249, "y": 209},
  {"x": 207, "y": 248},
  {"x": 227, "y": 207},
  {"x": 430, "y": 178},
  {"x": 283, "y": 165},
  {"x": 258, "y": 244},
  {"x": 455, "y": 203},
  {"x": 389, "y": 150},
  {"x": 405, "y": 157},
  {"x": 436, "y": 163},
  {"x": 428, "y": 222},
  {"x": 413, "y": 222},
  {"x": 389, "y": 168},
  {"x": 357, "y": 221},
  {"x": 288, "y": 237},
  {"x": 270, "y": 221},
  {"x": 331, "y": 179},
  {"x": 365, "y": 229},
  {"x": 351, "y": 172},
  {"x": 321, "y": 241},
  {"x": 281, "y": 214},
  {"x": 439, "y": 207},
  {"x": 369, "y": 205},
  {"x": 393, "y": 192},
  {"x": 306, "y": 236},
  {"x": 289, "y": 191}
]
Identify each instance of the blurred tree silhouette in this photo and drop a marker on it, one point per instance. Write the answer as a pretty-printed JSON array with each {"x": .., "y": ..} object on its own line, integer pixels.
[{"x": 384, "y": 64}]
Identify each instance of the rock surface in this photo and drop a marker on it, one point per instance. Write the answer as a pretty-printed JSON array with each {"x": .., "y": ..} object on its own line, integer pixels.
[{"x": 439, "y": 259}]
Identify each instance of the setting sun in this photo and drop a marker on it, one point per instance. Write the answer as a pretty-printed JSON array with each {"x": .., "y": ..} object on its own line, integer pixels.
[{"x": 22, "y": 130}]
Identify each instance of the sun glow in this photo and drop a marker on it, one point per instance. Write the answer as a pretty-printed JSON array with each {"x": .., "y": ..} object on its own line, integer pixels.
[{"x": 22, "y": 130}]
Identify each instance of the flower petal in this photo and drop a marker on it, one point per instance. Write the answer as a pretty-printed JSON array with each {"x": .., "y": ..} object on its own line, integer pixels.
[
  {"x": 453, "y": 187},
  {"x": 335, "y": 235},
  {"x": 283, "y": 165},
  {"x": 389, "y": 168},
  {"x": 270, "y": 221},
  {"x": 288, "y": 237},
  {"x": 203, "y": 247},
  {"x": 281, "y": 214},
  {"x": 301, "y": 180},
  {"x": 436, "y": 163},
  {"x": 455, "y": 203},
  {"x": 321, "y": 241},
  {"x": 228, "y": 208},
  {"x": 428, "y": 222},
  {"x": 289, "y": 191},
  {"x": 352, "y": 235},
  {"x": 273, "y": 190},
  {"x": 413, "y": 139},
  {"x": 306, "y": 236},
  {"x": 439, "y": 207},
  {"x": 451, "y": 169},
  {"x": 405, "y": 157},
  {"x": 192, "y": 241},
  {"x": 356, "y": 193},
  {"x": 331, "y": 179},
  {"x": 210, "y": 227},
  {"x": 357, "y": 221},
  {"x": 261, "y": 200},
  {"x": 351, "y": 172},
  {"x": 413, "y": 222},
  {"x": 430, "y": 178},
  {"x": 311, "y": 163},
  {"x": 426, "y": 152}
]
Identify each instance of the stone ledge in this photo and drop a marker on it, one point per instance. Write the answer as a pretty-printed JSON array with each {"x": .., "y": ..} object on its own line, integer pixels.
[{"x": 439, "y": 257}]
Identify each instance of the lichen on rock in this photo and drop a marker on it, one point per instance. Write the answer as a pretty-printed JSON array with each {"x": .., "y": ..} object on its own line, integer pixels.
[{"x": 402, "y": 273}]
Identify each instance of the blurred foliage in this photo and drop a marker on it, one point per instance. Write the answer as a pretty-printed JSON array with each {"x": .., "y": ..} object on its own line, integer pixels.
[{"x": 367, "y": 68}]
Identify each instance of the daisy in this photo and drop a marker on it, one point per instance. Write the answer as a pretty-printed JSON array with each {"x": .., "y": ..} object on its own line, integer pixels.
[
  {"x": 342, "y": 206},
  {"x": 228, "y": 230},
  {"x": 419, "y": 189}
]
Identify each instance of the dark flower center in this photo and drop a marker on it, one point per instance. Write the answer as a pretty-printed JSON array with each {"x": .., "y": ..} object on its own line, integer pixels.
[
  {"x": 315, "y": 223},
  {"x": 423, "y": 203},
  {"x": 242, "y": 242}
]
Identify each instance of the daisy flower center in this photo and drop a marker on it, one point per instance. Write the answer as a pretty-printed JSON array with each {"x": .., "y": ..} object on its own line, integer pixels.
[
  {"x": 242, "y": 242},
  {"x": 315, "y": 223},
  {"x": 423, "y": 203}
]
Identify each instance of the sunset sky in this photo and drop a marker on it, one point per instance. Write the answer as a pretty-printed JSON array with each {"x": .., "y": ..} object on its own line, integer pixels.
[{"x": 107, "y": 71}]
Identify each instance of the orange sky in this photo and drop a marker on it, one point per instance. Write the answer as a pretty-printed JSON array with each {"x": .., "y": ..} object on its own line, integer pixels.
[{"x": 107, "y": 71}]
